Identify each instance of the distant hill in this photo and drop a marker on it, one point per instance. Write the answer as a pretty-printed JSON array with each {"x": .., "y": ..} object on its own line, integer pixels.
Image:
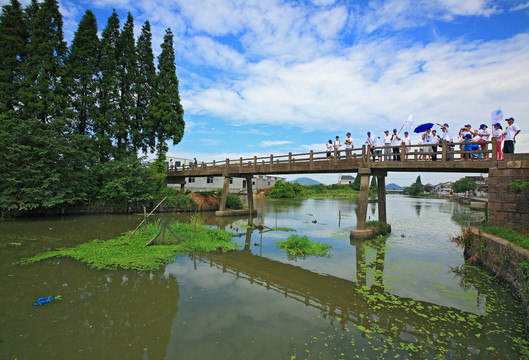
[
  {"x": 393, "y": 186},
  {"x": 305, "y": 181}
]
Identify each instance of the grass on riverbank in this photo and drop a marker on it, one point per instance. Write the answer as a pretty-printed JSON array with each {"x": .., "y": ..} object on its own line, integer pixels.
[
  {"x": 516, "y": 237},
  {"x": 133, "y": 254},
  {"x": 302, "y": 246}
]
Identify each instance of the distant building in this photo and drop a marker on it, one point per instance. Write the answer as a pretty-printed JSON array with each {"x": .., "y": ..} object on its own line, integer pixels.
[
  {"x": 346, "y": 179},
  {"x": 443, "y": 188},
  {"x": 237, "y": 184},
  {"x": 174, "y": 163}
]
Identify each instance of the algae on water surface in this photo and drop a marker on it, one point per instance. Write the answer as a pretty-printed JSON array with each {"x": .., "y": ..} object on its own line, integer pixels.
[{"x": 125, "y": 253}]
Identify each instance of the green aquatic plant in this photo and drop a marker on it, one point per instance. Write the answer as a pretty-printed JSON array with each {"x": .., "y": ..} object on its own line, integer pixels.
[
  {"x": 124, "y": 253},
  {"x": 301, "y": 246}
]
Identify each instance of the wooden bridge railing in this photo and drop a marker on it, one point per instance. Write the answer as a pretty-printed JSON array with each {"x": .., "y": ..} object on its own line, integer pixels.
[{"x": 407, "y": 153}]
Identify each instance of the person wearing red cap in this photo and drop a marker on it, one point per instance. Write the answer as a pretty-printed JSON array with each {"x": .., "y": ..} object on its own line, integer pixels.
[{"x": 510, "y": 136}]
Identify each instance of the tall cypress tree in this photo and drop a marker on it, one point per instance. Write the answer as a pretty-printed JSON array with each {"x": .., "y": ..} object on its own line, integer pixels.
[
  {"x": 145, "y": 90},
  {"x": 44, "y": 95},
  {"x": 13, "y": 52},
  {"x": 108, "y": 88},
  {"x": 127, "y": 76},
  {"x": 82, "y": 73},
  {"x": 168, "y": 113}
]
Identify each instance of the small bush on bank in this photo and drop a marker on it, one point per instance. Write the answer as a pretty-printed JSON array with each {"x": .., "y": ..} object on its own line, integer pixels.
[{"x": 233, "y": 202}]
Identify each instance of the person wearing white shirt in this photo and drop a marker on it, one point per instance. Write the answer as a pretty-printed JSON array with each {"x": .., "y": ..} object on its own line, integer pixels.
[
  {"x": 387, "y": 146},
  {"x": 434, "y": 140},
  {"x": 426, "y": 141},
  {"x": 337, "y": 145},
  {"x": 371, "y": 142},
  {"x": 510, "y": 136},
  {"x": 406, "y": 140},
  {"x": 378, "y": 143},
  {"x": 498, "y": 134},
  {"x": 447, "y": 140},
  {"x": 395, "y": 142},
  {"x": 330, "y": 149},
  {"x": 348, "y": 145},
  {"x": 484, "y": 134}
]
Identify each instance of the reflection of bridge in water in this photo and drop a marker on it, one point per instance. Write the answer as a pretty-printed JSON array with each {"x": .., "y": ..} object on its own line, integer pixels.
[{"x": 369, "y": 307}]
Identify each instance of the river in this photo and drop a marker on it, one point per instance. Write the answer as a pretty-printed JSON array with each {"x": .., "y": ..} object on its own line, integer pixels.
[{"x": 410, "y": 296}]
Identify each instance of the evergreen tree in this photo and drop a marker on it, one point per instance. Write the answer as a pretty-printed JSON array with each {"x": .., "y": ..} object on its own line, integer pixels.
[
  {"x": 373, "y": 186},
  {"x": 82, "y": 73},
  {"x": 13, "y": 47},
  {"x": 145, "y": 89},
  {"x": 127, "y": 77},
  {"x": 167, "y": 112},
  {"x": 108, "y": 88},
  {"x": 43, "y": 93},
  {"x": 355, "y": 185},
  {"x": 30, "y": 12}
]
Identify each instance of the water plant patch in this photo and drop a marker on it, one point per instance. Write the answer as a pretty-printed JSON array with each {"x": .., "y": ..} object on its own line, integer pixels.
[{"x": 132, "y": 253}]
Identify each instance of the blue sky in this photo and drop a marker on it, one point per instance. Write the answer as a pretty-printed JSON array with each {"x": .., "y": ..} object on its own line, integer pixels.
[{"x": 260, "y": 77}]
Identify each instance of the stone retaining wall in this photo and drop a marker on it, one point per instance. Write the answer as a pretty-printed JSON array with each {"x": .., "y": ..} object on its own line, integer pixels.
[
  {"x": 509, "y": 207},
  {"x": 503, "y": 259}
]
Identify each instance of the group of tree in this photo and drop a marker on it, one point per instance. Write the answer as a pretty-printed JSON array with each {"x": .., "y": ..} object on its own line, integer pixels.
[
  {"x": 73, "y": 119},
  {"x": 417, "y": 188}
]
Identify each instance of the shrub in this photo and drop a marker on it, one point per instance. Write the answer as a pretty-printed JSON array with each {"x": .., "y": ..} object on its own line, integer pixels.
[{"x": 233, "y": 202}]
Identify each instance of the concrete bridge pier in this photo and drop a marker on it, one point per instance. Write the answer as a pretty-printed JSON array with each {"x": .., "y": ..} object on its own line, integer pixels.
[
  {"x": 361, "y": 231},
  {"x": 225, "y": 190}
]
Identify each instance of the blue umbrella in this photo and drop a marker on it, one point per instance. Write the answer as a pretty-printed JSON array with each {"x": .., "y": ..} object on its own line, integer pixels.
[{"x": 423, "y": 127}]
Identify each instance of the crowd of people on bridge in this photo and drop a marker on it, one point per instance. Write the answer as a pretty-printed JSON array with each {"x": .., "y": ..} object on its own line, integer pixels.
[{"x": 474, "y": 140}]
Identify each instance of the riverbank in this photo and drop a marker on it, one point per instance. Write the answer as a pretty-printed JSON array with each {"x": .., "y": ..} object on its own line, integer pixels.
[{"x": 506, "y": 260}]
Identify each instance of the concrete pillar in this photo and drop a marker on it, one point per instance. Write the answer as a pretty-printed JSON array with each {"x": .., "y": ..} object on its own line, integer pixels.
[
  {"x": 362, "y": 201},
  {"x": 249, "y": 188},
  {"x": 381, "y": 182},
  {"x": 225, "y": 190},
  {"x": 361, "y": 232}
]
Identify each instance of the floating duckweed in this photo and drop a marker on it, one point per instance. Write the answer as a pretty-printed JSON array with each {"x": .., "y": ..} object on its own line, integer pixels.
[
  {"x": 125, "y": 253},
  {"x": 297, "y": 246}
]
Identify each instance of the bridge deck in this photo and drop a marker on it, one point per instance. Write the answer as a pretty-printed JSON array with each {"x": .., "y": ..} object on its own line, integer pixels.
[{"x": 355, "y": 160}]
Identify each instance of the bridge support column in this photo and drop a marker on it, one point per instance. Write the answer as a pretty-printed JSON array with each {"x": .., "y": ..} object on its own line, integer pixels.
[
  {"x": 225, "y": 190},
  {"x": 249, "y": 188},
  {"x": 361, "y": 232},
  {"x": 381, "y": 182}
]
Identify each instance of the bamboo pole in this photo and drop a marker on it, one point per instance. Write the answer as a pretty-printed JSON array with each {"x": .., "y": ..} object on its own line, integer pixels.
[{"x": 145, "y": 219}]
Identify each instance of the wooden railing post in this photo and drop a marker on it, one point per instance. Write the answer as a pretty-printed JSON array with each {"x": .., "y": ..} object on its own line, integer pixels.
[
  {"x": 443, "y": 151},
  {"x": 271, "y": 161},
  {"x": 289, "y": 160},
  {"x": 255, "y": 160},
  {"x": 368, "y": 152},
  {"x": 364, "y": 152},
  {"x": 494, "y": 148},
  {"x": 240, "y": 164},
  {"x": 213, "y": 163},
  {"x": 402, "y": 152}
]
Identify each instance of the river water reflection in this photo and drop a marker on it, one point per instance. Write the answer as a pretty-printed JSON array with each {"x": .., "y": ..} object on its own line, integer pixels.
[{"x": 411, "y": 296}]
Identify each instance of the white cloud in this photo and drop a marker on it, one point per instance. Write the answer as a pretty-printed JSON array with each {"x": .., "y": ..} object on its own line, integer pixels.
[
  {"x": 520, "y": 7},
  {"x": 376, "y": 84},
  {"x": 268, "y": 143}
]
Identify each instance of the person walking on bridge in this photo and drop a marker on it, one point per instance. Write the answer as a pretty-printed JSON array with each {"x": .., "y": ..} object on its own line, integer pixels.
[
  {"x": 395, "y": 142},
  {"x": 371, "y": 142},
  {"x": 337, "y": 146},
  {"x": 484, "y": 134},
  {"x": 330, "y": 148},
  {"x": 498, "y": 134},
  {"x": 406, "y": 140},
  {"x": 387, "y": 146},
  {"x": 510, "y": 136},
  {"x": 434, "y": 140},
  {"x": 348, "y": 145},
  {"x": 447, "y": 140}
]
